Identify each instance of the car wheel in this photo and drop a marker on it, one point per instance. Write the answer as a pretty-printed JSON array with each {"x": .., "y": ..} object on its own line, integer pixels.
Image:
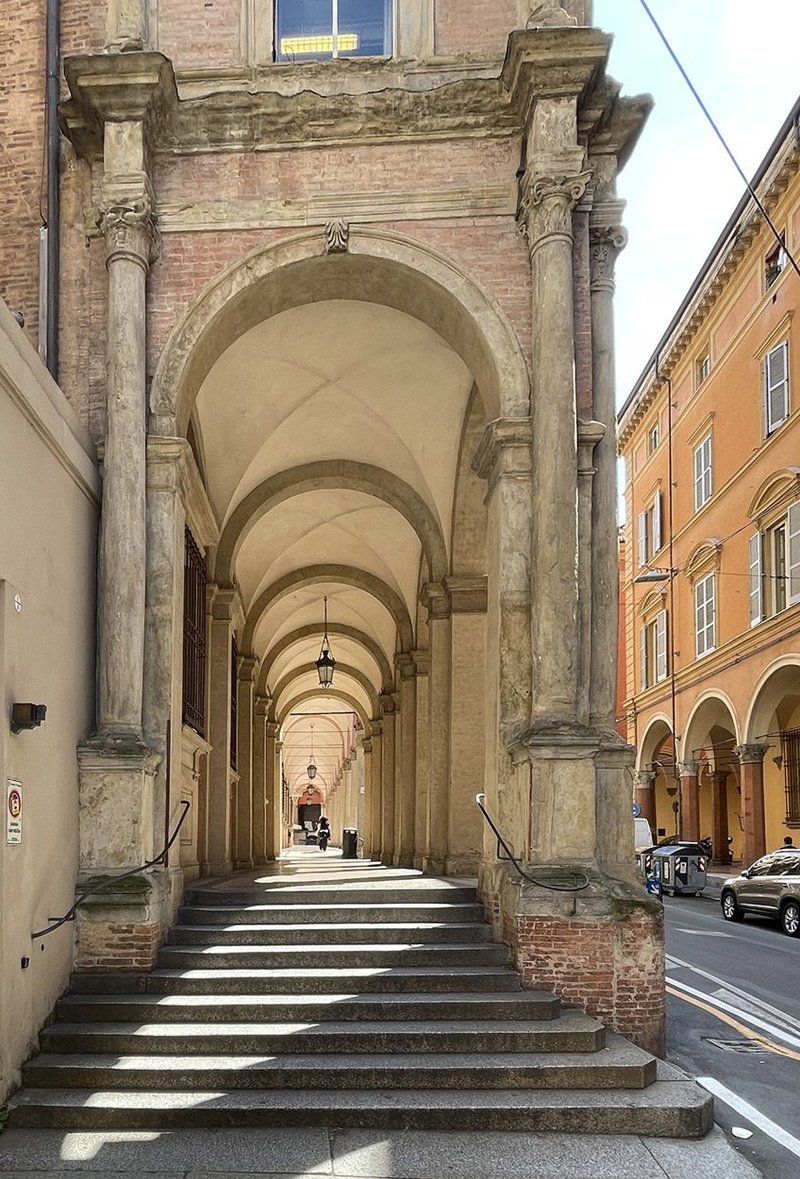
[
  {"x": 730, "y": 909},
  {"x": 790, "y": 918}
]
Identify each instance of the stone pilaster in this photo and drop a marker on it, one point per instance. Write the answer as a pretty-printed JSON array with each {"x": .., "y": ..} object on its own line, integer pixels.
[
  {"x": 280, "y": 818},
  {"x": 437, "y": 601},
  {"x": 369, "y": 798},
  {"x": 220, "y": 781},
  {"x": 245, "y": 701},
  {"x": 690, "y": 800},
  {"x": 262, "y": 816},
  {"x": 590, "y": 435},
  {"x": 376, "y": 830},
  {"x": 388, "y": 715},
  {"x": 274, "y": 800},
  {"x": 423, "y": 768},
  {"x": 751, "y": 761},
  {"x": 405, "y": 790},
  {"x": 607, "y": 239}
]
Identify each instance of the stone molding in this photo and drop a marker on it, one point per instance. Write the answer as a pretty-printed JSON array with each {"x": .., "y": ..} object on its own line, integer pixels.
[
  {"x": 366, "y": 745},
  {"x": 171, "y": 466},
  {"x": 468, "y": 595},
  {"x": 337, "y": 236},
  {"x": 589, "y": 435},
  {"x": 405, "y": 665},
  {"x": 751, "y": 754},
  {"x": 261, "y": 705},
  {"x": 422, "y": 662},
  {"x": 505, "y": 451},
  {"x": 247, "y": 669},
  {"x": 436, "y": 599}
]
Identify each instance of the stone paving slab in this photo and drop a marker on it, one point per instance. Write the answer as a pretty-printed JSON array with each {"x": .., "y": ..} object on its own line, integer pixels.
[{"x": 363, "y": 1154}]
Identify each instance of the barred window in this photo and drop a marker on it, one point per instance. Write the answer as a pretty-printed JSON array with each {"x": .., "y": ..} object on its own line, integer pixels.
[
  {"x": 790, "y": 751},
  {"x": 194, "y": 636}
]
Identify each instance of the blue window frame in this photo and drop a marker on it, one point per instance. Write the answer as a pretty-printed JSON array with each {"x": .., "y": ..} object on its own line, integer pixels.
[{"x": 318, "y": 30}]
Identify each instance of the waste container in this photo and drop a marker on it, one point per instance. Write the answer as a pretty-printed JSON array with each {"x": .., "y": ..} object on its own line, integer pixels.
[
  {"x": 680, "y": 869},
  {"x": 350, "y": 843}
]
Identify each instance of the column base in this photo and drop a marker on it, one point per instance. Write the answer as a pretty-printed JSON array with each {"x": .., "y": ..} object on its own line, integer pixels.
[
  {"x": 462, "y": 866},
  {"x": 601, "y": 949},
  {"x": 122, "y": 928}
]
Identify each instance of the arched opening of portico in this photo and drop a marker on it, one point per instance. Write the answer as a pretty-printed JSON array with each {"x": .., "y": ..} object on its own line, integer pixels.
[
  {"x": 710, "y": 779},
  {"x": 772, "y": 743}
]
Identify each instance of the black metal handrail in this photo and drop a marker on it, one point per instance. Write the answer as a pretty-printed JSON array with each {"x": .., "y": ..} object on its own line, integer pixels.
[
  {"x": 108, "y": 884},
  {"x": 511, "y": 858}
]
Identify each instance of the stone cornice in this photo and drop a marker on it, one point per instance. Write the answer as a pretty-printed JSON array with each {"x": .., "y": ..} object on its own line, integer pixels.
[
  {"x": 468, "y": 595},
  {"x": 171, "y": 458},
  {"x": 505, "y": 451},
  {"x": 347, "y": 102}
]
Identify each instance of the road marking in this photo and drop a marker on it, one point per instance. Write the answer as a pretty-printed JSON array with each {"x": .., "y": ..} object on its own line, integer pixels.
[
  {"x": 720, "y": 1011},
  {"x": 781, "y": 1016},
  {"x": 702, "y": 932},
  {"x": 754, "y": 1116}
]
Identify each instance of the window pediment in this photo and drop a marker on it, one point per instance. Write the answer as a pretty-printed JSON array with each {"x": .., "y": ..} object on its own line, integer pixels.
[
  {"x": 776, "y": 492},
  {"x": 704, "y": 558}
]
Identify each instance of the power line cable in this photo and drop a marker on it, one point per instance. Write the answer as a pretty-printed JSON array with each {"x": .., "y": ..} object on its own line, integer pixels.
[{"x": 778, "y": 237}]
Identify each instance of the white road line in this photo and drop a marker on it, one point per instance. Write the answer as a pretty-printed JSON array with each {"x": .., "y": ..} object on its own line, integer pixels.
[
  {"x": 703, "y": 932},
  {"x": 767, "y": 1008},
  {"x": 770, "y": 1028},
  {"x": 754, "y": 1116}
]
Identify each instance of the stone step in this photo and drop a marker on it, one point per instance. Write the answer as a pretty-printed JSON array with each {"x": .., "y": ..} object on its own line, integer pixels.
[
  {"x": 619, "y": 1065},
  {"x": 418, "y": 891},
  {"x": 328, "y": 934},
  {"x": 572, "y": 1033},
  {"x": 670, "y": 1108},
  {"x": 242, "y": 957},
  {"x": 257, "y": 914},
  {"x": 233, "y": 1008},
  {"x": 322, "y": 981}
]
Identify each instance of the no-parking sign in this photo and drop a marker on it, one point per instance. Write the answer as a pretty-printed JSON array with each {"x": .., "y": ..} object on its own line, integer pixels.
[{"x": 13, "y": 811}]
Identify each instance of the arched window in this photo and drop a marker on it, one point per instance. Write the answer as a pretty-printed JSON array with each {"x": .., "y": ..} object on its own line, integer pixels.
[{"x": 318, "y": 30}]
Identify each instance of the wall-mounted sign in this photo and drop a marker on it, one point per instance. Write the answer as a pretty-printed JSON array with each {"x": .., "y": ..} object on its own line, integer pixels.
[{"x": 13, "y": 811}]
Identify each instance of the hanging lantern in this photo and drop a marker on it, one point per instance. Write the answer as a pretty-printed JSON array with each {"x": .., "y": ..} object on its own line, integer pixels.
[
  {"x": 326, "y": 663},
  {"x": 311, "y": 768}
]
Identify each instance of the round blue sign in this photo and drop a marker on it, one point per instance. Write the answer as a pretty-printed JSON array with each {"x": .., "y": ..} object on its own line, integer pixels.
[{"x": 637, "y": 810}]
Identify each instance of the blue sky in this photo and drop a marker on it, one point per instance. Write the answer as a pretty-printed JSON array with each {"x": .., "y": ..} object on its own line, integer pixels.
[{"x": 679, "y": 184}]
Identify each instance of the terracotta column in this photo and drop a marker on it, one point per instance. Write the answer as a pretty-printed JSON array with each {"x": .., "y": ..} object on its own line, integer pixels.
[
  {"x": 645, "y": 795},
  {"x": 387, "y": 705},
  {"x": 437, "y": 600},
  {"x": 262, "y": 817},
  {"x": 719, "y": 810},
  {"x": 405, "y": 789},
  {"x": 690, "y": 801},
  {"x": 751, "y": 760},
  {"x": 607, "y": 239},
  {"x": 218, "y": 841}
]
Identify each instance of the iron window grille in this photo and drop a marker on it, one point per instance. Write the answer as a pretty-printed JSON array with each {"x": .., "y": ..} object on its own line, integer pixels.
[
  {"x": 790, "y": 752},
  {"x": 194, "y": 636}
]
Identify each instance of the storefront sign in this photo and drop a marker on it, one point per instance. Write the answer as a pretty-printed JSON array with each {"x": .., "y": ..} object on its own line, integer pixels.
[{"x": 13, "y": 811}]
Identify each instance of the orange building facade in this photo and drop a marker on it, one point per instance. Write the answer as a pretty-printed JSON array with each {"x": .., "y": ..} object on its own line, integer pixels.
[{"x": 710, "y": 436}]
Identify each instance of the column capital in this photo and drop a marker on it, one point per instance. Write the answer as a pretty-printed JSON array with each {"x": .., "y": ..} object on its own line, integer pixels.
[
  {"x": 690, "y": 768},
  {"x": 386, "y": 703},
  {"x": 261, "y": 705},
  {"x": 504, "y": 451},
  {"x": 645, "y": 779},
  {"x": 751, "y": 753},
  {"x": 404, "y": 664},
  {"x": 436, "y": 599},
  {"x": 468, "y": 595},
  {"x": 273, "y": 728},
  {"x": 589, "y": 435},
  {"x": 347, "y": 765},
  {"x": 422, "y": 662},
  {"x": 547, "y": 204},
  {"x": 129, "y": 228},
  {"x": 366, "y": 745},
  {"x": 247, "y": 668},
  {"x": 606, "y": 240},
  {"x": 223, "y": 601}
]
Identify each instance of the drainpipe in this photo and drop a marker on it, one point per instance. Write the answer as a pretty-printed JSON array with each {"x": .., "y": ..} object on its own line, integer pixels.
[{"x": 53, "y": 169}]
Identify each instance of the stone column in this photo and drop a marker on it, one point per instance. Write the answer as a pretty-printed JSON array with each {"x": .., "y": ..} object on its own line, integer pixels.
[
  {"x": 245, "y": 704},
  {"x": 274, "y": 800},
  {"x": 645, "y": 795},
  {"x": 130, "y": 244},
  {"x": 590, "y": 434},
  {"x": 547, "y": 205},
  {"x": 437, "y": 601},
  {"x": 423, "y": 767},
  {"x": 719, "y": 812},
  {"x": 690, "y": 801},
  {"x": 218, "y": 840},
  {"x": 386, "y": 701},
  {"x": 348, "y": 808},
  {"x": 751, "y": 760},
  {"x": 407, "y": 786},
  {"x": 262, "y": 817},
  {"x": 280, "y": 818},
  {"x": 369, "y": 798},
  {"x": 376, "y": 833},
  {"x": 607, "y": 239}
]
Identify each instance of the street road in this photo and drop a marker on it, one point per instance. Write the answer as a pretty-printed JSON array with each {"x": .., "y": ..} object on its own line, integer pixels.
[{"x": 733, "y": 1007}]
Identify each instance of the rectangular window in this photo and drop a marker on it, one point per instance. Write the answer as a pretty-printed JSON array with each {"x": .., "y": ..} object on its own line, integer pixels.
[
  {"x": 641, "y": 539},
  {"x": 704, "y": 613},
  {"x": 194, "y": 636},
  {"x": 653, "y": 438},
  {"x": 660, "y": 629},
  {"x": 790, "y": 752},
  {"x": 775, "y": 561},
  {"x": 702, "y": 473},
  {"x": 703, "y": 368},
  {"x": 649, "y": 537},
  {"x": 775, "y": 262},
  {"x": 776, "y": 386},
  {"x": 318, "y": 30},
  {"x": 793, "y": 547},
  {"x": 653, "y": 661}
]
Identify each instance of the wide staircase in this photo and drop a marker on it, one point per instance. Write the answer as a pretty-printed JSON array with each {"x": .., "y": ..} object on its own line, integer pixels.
[{"x": 344, "y": 994}]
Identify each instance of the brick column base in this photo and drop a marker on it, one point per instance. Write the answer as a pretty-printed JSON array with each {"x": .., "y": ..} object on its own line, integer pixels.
[
  {"x": 601, "y": 950},
  {"x": 121, "y": 929}
]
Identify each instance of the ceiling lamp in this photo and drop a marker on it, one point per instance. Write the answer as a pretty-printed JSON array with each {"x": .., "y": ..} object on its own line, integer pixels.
[
  {"x": 311, "y": 768},
  {"x": 326, "y": 662}
]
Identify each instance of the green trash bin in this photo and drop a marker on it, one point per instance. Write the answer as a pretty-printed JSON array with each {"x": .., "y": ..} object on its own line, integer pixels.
[{"x": 350, "y": 843}]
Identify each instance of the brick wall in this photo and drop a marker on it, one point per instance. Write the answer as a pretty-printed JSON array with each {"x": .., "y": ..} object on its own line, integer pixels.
[
  {"x": 201, "y": 32},
  {"x": 466, "y": 26},
  {"x": 613, "y": 968},
  {"x": 109, "y": 945}
]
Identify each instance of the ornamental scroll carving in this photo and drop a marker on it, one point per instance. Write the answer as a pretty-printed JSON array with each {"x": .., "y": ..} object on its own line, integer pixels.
[
  {"x": 337, "y": 237},
  {"x": 130, "y": 232},
  {"x": 549, "y": 16},
  {"x": 547, "y": 205},
  {"x": 606, "y": 242}
]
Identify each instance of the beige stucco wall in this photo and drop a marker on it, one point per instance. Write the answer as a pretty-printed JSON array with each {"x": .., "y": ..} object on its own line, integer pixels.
[{"x": 49, "y": 491}]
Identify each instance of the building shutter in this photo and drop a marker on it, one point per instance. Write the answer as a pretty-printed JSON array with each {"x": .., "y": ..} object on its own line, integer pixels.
[
  {"x": 698, "y": 478},
  {"x": 756, "y": 582},
  {"x": 661, "y": 645},
  {"x": 657, "y": 522},
  {"x": 641, "y": 526},
  {"x": 643, "y": 658},
  {"x": 794, "y": 552},
  {"x": 776, "y": 380}
]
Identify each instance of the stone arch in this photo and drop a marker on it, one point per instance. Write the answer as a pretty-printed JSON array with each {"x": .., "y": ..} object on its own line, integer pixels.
[
  {"x": 346, "y": 575},
  {"x": 380, "y": 266},
  {"x": 770, "y": 689},
  {"x": 315, "y": 629},
  {"x": 703, "y": 705},
  {"x": 336, "y": 693},
  {"x": 658, "y": 726},
  {"x": 341, "y": 668},
  {"x": 321, "y": 476}
]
